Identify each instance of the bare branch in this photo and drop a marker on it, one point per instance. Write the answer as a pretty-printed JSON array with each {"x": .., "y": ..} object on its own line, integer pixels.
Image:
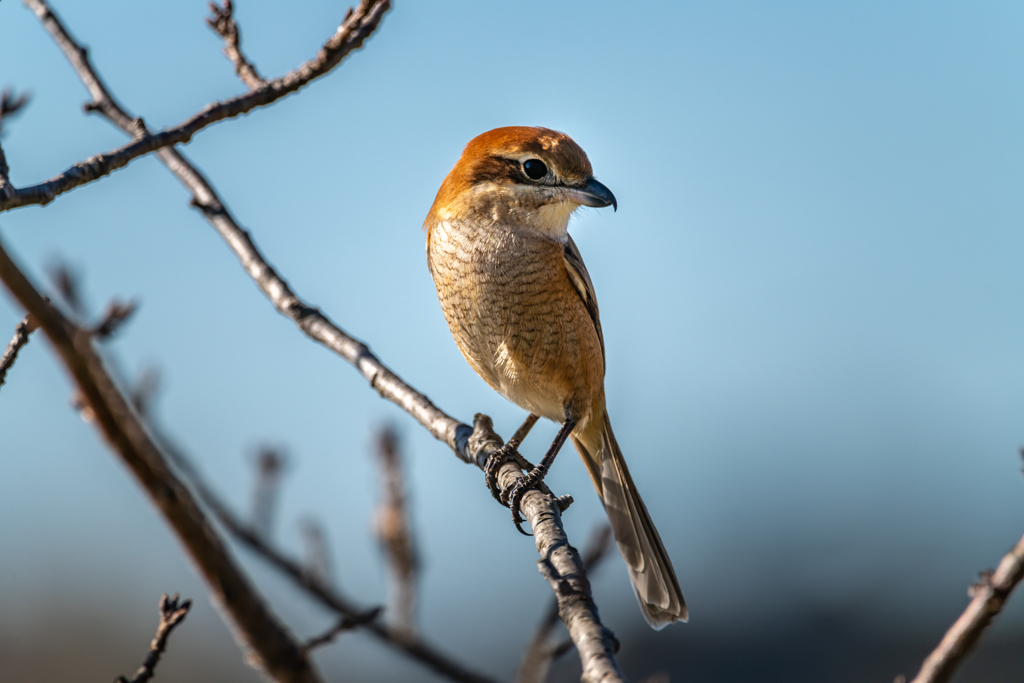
[
  {"x": 117, "y": 314},
  {"x": 470, "y": 444},
  {"x": 172, "y": 613},
  {"x": 269, "y": 467},
  {"x": 68, "y": 285},
  {"x": 987, "y": 599},
  {"x": 537, "y": 658},
  {"x": 310, "y": 582},
  {"x": 266, "y": 642},
  {"x": 21, "y": 332},
  {"x": 9, "y": 105},
  {"x": 396, "y": 538},
  {"x": 222, "y": 21},
  {"x": 317, "y": 559},
  {"x": 345, "y": 624},
  {"x": 359, "y": 25}
]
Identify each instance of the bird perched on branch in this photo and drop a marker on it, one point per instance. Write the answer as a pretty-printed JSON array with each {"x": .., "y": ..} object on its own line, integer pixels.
[{"x": 523, "y": 311}]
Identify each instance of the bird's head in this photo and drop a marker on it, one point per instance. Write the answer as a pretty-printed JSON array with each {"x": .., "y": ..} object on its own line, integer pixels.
[{"x": 532, "y": 177}]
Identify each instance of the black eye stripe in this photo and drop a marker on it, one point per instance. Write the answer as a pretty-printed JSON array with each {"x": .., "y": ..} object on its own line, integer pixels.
[{"x": 535, "y": 169}]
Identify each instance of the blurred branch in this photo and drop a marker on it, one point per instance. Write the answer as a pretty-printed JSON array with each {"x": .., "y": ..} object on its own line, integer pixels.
[
  {"x": 536, "y": 660},
  {"x": 117, "y": 314},
  {"x": 561, "y": 564},
  {"x": 302, "y": 577},
  {"x": 9, "y": 104},
  {"x": 265, "y": 640},
  {"x": 317, "y": 558},
  {"x": 222, "y": 21},
  {"x": 21, "y": 332},
  {"x": 987, "y": 599},
  {"x": 172, "y": 613},
  {"x": 356, "y": 28},
  {"x": 396, "y": 538},
  {"x": 69, "y": 286},
  {"x": 269, "y": 467},
  {"x": 345, "y": 624}
]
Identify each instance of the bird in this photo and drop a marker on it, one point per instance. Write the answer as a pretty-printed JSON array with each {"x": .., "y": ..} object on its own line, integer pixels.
[{"x": 522, "y": 308}]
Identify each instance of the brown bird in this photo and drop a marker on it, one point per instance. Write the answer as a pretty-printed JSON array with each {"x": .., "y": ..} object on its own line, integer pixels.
[{"x": 523, "y": 311}]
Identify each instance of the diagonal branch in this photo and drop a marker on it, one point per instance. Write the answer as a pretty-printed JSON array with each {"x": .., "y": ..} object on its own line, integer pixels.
[
  {"x": 222, "y": 21},
  {"x": 345, "y": 624},
  {"x": 309, "y": 581},
  {"x": 561, "y": 564},
  {"x": 265, "y": 640},
  {"x": 988, "y": 597},
  {"x": 536, "y": 660},
  {"x": 21, "y": 332},
  {"x": 356, "y": 28},
  {"x": 172, "y": 613}
]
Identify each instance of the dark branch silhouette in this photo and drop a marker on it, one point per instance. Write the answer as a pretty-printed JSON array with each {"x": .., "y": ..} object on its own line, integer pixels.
[
  {"x": 266, "y": 641},
  {"x": 346, "y": 624},
  {"x": 356, "y": 28},
  {"x": 21, "y": 333},
  {"x": 222, "y": 21},
  {"x": 172, "y": 613},
  {"x": 9, "y": 105},
  {"x": 309, "y": 581}
]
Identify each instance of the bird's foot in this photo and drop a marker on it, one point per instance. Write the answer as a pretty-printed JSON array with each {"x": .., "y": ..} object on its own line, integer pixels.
[
  {"x": 507, "y": 453},
  {"x": 513, "y": 495}
]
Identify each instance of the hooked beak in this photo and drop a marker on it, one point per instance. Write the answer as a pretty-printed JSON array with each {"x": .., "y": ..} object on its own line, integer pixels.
[{"x": 594, "y": 194}]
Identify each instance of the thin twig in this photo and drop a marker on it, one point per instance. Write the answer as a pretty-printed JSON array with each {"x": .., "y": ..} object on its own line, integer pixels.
[
  {"x": 539, "y": 653},
  {"x": 222, "y": 21},
  {"x": 396, "y": 538},
  {"x": 21, "y": 333},
  {"x": 470, "y": 444},
  {"x": 309, "y": 581},
  {"x": 114, "y": 317},
  {"x": 9, "y": 105},
  {"x": 69, "y": 286},
  {"x": 359, "y": 25},
  {"x": 269, "y": 467},
  {"x": 345, "y": 624},
  {"x": 172, "y": 613},
  {"x": 67, "y": 281},
  {"x": 987, "y": 599},
  {"x": 265, "y": 640}
]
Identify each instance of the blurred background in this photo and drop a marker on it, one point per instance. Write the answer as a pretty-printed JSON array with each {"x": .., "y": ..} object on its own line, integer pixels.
[{"x": 811, "y": 297}]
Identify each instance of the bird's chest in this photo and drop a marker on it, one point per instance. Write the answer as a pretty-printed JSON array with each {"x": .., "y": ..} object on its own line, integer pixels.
[{"x": 512, "y": 310}]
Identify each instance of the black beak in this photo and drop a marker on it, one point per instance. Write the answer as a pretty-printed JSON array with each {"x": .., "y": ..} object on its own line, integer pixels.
[{"x": 596, "y": 195}]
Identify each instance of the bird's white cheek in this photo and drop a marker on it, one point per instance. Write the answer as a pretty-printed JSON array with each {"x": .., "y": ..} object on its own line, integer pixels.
[{"x": 553, "y": 219}]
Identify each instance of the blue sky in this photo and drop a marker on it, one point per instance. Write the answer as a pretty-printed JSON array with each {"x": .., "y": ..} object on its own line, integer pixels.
[{"x": 811, "y": 292}]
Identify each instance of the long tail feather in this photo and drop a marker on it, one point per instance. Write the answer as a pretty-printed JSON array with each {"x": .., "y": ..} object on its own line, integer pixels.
[{"x": 650, "y": 569}]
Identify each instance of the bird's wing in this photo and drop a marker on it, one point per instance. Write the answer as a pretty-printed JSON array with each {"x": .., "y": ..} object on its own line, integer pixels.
[{"x": 580, "y": 279}]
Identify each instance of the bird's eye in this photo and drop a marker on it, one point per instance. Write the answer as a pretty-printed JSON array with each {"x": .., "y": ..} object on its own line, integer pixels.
[{"x": 535, "y": 169}]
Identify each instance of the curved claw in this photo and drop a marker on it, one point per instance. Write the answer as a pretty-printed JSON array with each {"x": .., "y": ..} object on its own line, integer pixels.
[
  {"x": 515, "y": 499},
  {"x": 507, "y": 453},
  {"x": 494, "y": 462}
]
